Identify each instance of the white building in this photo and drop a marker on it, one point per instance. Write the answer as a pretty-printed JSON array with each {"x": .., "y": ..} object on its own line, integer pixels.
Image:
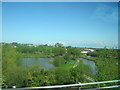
[
  {"x": 89, "y": 50},
  {"x": 85, "y": 51}
]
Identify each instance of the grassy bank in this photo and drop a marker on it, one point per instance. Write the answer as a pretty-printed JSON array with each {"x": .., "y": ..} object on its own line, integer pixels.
[
  {"x": 31, "y": 55},
  {"x": 89, "y": 58},
  {"x": 67, "y": 66}
]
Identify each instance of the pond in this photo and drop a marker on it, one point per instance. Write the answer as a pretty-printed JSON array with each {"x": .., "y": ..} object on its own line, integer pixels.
[
  {"x": 43, "y": 62},
  {"x": 91, "y": 63}
]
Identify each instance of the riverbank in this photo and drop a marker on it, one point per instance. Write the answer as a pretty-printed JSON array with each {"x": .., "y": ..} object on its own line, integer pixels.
[
  {"x": 89, "y": 58},
  {"x": 69, "y": 65},
  {"x": 37, "y": 55},
  {"x": 76, "y": 64}
]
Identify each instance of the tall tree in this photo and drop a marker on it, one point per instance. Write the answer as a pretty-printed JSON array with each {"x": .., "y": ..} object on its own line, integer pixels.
[
  {"x": 9, "y": 58},
  {"x": 58, "y": 45},
  {"x": 58, "y": 61}
]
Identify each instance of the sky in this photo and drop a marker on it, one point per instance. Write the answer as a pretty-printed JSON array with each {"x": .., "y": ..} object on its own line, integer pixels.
[{"x": 80, "y": 24}]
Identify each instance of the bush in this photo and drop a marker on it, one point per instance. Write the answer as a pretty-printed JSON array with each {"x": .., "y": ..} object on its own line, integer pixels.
[
  {"x": 79, "y": 72},
  {"x": 62, "y": 76},
  {"x": 58, "y": 61}
]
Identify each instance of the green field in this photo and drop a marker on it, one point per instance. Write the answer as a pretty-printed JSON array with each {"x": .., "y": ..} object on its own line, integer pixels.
[{"x": 67, "y": 66}]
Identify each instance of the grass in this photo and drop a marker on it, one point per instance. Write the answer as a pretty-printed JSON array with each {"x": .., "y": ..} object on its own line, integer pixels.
[
  {"x": 50, "y": 62},
  {"x": 67, "y": 66}
]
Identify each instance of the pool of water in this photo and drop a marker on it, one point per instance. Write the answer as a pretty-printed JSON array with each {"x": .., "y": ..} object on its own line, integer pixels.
[
  {"x": 91, "y": 63},
  {"x": 42, "y": 62}
]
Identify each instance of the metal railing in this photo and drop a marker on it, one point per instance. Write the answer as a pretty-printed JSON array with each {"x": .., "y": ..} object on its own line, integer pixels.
[{"x": 71, "y": 85}]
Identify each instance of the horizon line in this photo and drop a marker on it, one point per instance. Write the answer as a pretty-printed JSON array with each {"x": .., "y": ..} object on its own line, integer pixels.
[{"x": 60, "y": 43}]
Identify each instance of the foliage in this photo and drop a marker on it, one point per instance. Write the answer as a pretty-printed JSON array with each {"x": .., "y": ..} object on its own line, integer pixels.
[
  {"x": 67, "y": 56},
  {"x": 93, "y": 54},
  {"x": 72, "y": 53},
  {"x": 28, "y": 77},
  {"x": 64, "y": 73},
  {"x": 15, "y": 77},
  {"x": 68, "y": 66},
  {"x": 62, "y": 76},
  {"x": 79, "y": 72},
  {"x": 106, "y": 65},
  {"x": 9, "y": 57},
  {"x": 58, "y": 45},
  {"x": 39, "y": 77},
  {"x": 59, "y": 51},
  {"x": 41, "y": 49},
  {"x": 58, "y": 61}
]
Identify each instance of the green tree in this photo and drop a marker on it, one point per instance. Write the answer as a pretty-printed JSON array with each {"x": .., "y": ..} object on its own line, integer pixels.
[
  {"x": 73, "y": 52},
  {"x": 58, "y": 61},
  {"x": 58, "y": 45},
  {"x": 9, "y": 64},
  {"x": 59, "y": 51},
  {"x": 106, "y": 65},
  {"x": 62, "y": 76},
  {"x": 79, "y": 72},
  {"x": 67, "y": 56},
  {"x": 9, "y": 58}
]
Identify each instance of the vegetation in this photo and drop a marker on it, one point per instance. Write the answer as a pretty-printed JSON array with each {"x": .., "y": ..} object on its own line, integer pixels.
[
  {"x": 106, "y": 63},
  {"x": 79, "y": 72},
  {"x": 64, "y": 73},
  {"x": 59, "y": 61}
]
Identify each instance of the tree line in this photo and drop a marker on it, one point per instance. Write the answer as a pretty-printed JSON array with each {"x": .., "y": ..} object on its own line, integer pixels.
[
  {"x": 13, "y": 75},
  {"x": 107, "y": 69}
]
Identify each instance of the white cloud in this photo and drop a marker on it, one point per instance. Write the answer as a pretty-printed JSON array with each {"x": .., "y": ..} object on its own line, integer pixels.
[
  {"x": 84, "y": 43},
  {"x": 51, "y": 42},
  {"x": 93, "y": 43}
]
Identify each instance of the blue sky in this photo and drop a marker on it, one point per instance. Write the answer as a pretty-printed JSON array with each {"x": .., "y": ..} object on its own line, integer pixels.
[{"x": 88, "y": 24}]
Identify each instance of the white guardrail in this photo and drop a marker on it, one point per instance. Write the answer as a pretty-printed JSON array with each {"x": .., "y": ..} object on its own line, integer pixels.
[{"x": 70, "y": 85}]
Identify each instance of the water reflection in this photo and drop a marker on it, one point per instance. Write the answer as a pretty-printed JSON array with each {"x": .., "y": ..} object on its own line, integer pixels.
[{"x": 44, "y": 62}]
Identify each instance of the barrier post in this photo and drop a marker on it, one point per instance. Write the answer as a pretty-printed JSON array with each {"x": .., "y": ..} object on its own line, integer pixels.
[{"x": 79, "y": 88}]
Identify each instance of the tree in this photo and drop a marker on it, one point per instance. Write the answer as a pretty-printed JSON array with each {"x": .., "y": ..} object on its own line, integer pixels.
[
  {"x": 58, "y": 45},
  {"x": 62, "y": 76},
  {"x": 58, "y": 61},
  {"x": 9, "y": 66},
  {"x": 14, "y": 43},
  {"x": 79, "y": 72},
  {"x": 9, "y": 58},
  {"x": 67, "y": 56},
  {"x": 73, "y": 52},
  {"x": 106, "y": 65},
  {"x": 59, "y": 51}
]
